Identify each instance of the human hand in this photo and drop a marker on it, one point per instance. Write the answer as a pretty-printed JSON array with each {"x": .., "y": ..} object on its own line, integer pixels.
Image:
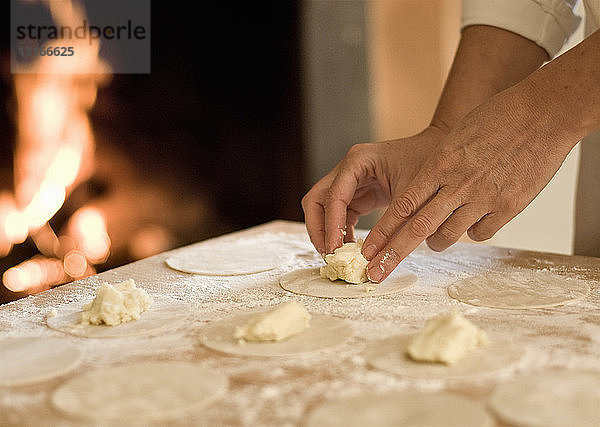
[
  {"x": 486, "y": 171},
  {"x": 367, "y": 178}
]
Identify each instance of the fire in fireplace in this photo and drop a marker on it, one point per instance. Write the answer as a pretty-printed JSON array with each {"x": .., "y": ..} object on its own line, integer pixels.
[
  {"x": 54, "y": 153},
  {"x": 106, "y": 169}
]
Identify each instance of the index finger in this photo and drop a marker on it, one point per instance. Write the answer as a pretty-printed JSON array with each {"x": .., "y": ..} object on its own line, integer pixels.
[
  {"x": 420, "y": 226},
  {"x": 396, "y": 216}
]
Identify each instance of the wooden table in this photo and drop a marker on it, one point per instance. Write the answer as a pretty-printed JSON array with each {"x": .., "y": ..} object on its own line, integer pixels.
[{"x": 279, "y": 391}]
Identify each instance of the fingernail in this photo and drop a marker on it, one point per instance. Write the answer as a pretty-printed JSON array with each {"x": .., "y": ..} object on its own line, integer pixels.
[
  {"x": 369, "y": 252},
  {"x": 375, "y": 273}
]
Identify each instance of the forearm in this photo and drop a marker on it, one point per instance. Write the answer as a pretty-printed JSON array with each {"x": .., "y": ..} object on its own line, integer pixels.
[
  {"x": 565, "y": 93},
  {"x": 488, "y": 61}
]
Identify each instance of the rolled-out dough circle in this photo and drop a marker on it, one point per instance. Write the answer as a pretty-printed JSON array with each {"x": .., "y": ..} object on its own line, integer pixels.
[
  {"x": 407, "y": 409},
  {"x": 389, "y": 355},
  {"x": 29, "y": 360},
  {"x": 309, "y": 282},
  {"x": 232, "y": 259},
  {"x": 158, "y": 318},
  {"x": 325, "y": 332},
  {"x": 142, "y": 391},
  {"x": 518, "y": 289},
  {"x": 547, "y": 399}
]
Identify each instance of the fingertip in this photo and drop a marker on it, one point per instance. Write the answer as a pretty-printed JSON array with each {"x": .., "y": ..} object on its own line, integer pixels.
[
  {"x": 380, "y": 235},
  {"x": 331, "y": 248},
  {"x": 376, "y": 269},
  {"x": 318, "y": 243},
  {"x": 334, "y": 238},
  {"x": 375, "y": 273},
  {"x": 334, "y": 242},
  {"x": 369, "y": 252},
  {"x": 435, "y": 246},
  {"x": 383, "y": 264},
  {"x": 475, "y": 235}
]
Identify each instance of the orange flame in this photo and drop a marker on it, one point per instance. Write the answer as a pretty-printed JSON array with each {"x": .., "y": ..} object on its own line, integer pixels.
[
  {"x": 87, "y": 226},
  {"x": 54, "y": 152}
]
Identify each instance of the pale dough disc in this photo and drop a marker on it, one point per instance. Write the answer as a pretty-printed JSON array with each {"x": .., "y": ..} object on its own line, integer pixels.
[
  {"x": 309, "y": 282},
  {"x": 29, "y": 360},
  {"x": 142, "y": 391},
  {"x": 389, "y": 355},
  {"x": 548, "y": 399},
  {"x": 157, "y": 318},
  {"x": 407, "y": 409},
  {"x": 518, "y": 289},
  {"x": 233, "y": 259},
  {"x": 325, "y": 332}
]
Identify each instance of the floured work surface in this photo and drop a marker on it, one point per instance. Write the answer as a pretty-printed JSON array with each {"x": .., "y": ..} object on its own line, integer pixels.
[{"x": 283, "y": 390}]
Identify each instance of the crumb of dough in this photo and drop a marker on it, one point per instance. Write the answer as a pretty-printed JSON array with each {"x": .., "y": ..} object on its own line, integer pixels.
[
  {"x": 116, "y": 304},
  {"x": 446, "y": 339},
  {"x": 285, "y": 320},
  {"x": 346, "y": 263},
  {"x": 370, "y": 287},
  {"x": 52, "y": 313}
]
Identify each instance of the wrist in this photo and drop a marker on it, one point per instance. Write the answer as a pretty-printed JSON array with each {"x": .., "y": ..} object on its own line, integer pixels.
[{"x": 556, "y": 119}]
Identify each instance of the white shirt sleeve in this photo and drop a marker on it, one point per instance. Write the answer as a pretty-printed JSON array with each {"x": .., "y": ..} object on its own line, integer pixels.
[{"x": 548, "y": 23}]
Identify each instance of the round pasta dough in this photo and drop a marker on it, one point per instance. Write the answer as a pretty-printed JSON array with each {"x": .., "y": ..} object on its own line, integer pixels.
[
  {"x": 518, "y": 289},
  {"x": 309, "y": 282},
  {"x": 142, "y": 391},
  {"x": 29, "y": 360},
  {"x": 325, "y": 332},
  {"x": 408, "y": 408},
  {"x": 548, "y": 399},
  {"x": 389, "y": 355},
  {"x": 232, "y": 259},
  {"x": 157, "y": 318}
]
